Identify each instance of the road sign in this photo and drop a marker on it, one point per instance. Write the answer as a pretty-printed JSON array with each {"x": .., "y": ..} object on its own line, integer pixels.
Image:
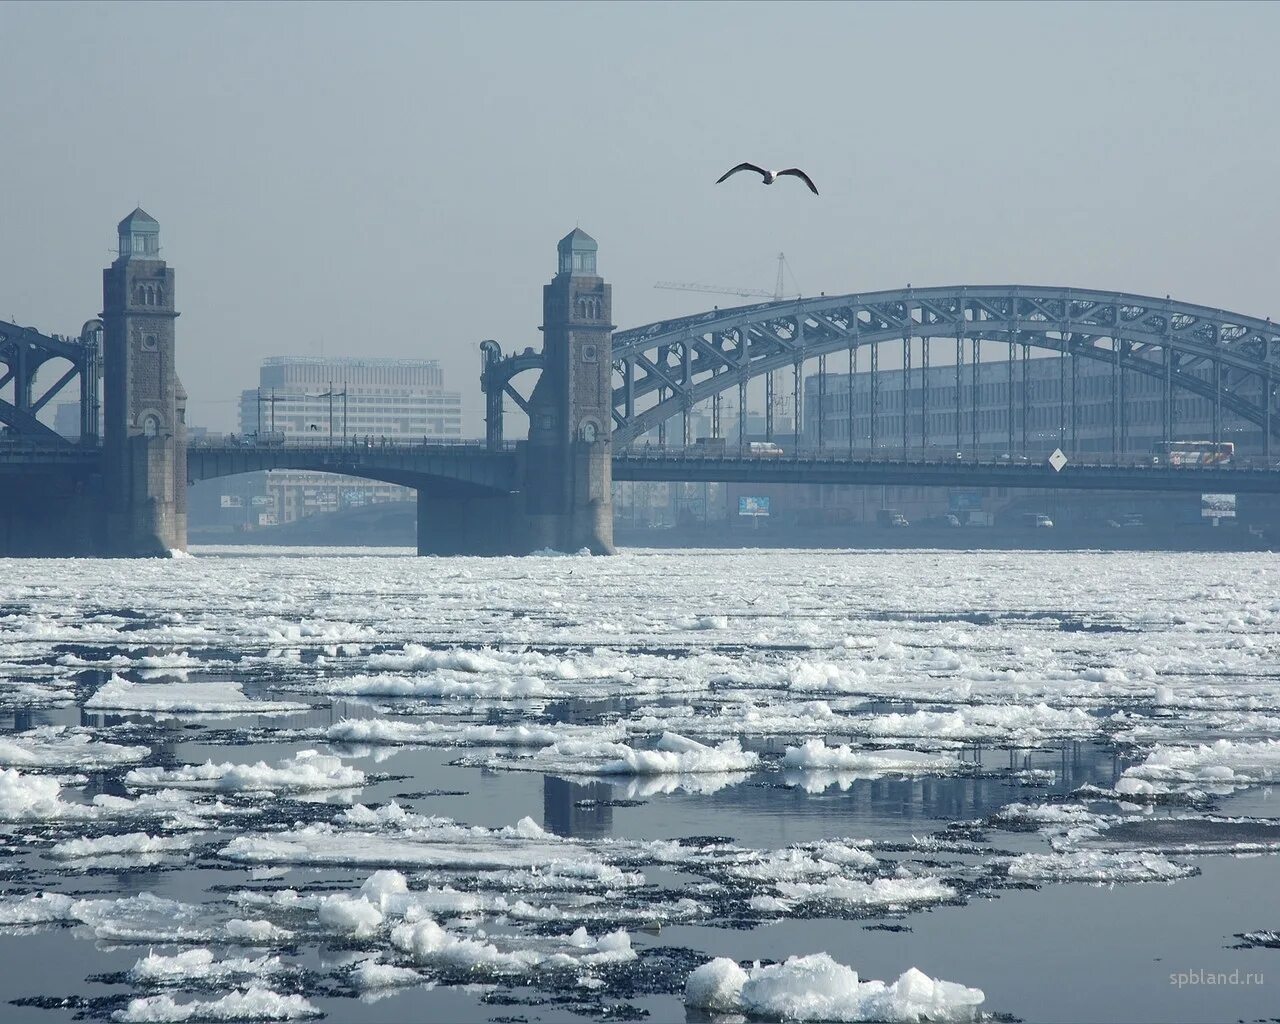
[{"x": 1057, "y": 460}]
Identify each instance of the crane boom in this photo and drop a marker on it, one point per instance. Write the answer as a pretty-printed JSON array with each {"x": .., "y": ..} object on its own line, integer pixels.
[
  {"x": 713, "y": 289},
  {"x": 778, "y": 293}
]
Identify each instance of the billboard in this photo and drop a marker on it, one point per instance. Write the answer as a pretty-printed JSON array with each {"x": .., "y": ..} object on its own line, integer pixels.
[
  {"x": 964, "y": 501},
  {"x": 262, "y": 500},
  {"x": 268, "y": 519},
  {"x": 232, "y": 501},
  {"x": 749, "y": 505},
  {"x": 1218, "y": 506}
]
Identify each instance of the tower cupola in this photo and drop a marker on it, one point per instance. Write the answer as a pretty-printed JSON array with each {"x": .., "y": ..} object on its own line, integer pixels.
[
  {"x": 578, "y": 254},
  {"x": 140, "y": 236}
]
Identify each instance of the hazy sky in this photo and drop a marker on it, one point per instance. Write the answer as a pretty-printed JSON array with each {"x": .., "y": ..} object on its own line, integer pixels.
[{"x": 392, "y": 180}]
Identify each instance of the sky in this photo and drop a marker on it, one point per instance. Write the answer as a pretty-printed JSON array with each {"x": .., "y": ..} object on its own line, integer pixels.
[{"x": 391, "y": 179}]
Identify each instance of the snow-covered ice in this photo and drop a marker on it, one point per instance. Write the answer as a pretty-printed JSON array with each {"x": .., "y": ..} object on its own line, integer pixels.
[{"x": 817, "y": 988}]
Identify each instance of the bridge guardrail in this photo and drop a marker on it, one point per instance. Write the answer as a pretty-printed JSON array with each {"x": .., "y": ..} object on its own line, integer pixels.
[
  {"x": 934, "y": 457},
  {"x": 370, "y": 443}
]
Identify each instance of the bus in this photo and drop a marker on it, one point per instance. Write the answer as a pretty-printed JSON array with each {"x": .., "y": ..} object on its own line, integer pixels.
[{"x": 1195, "y": 453}]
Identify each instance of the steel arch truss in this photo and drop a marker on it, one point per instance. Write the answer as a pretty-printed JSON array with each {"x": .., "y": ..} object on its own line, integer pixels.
[
  {"x": 23, "y": 352},
  {"x": 663, "y": 369},
  {"x": 496, "y": 375}
]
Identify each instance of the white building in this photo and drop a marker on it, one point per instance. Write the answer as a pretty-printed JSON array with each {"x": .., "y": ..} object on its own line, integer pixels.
[{"x": 344, "y": 400}]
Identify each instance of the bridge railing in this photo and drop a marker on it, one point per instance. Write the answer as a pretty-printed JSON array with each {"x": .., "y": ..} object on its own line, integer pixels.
[
  {"x": 930, "y": 456},
  {"x": 249, "y": 442}
]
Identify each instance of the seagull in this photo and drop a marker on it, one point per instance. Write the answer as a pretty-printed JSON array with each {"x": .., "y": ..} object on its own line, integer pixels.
[{"x": 771, "y": 176}]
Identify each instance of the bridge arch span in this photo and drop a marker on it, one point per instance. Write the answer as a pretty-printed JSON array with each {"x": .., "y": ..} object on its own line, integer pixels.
[
  {"x": 461, "y": 470},
  {"x": 665, "y": 368},
  {"x": 24, "y": 352}
]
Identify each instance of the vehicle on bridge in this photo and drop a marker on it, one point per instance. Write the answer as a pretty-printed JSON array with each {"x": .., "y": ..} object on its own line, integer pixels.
[
  {"x": 891, "y": 518},
  {"x": 1196, "y": 453},
  {"x": 764, "y": 450}
]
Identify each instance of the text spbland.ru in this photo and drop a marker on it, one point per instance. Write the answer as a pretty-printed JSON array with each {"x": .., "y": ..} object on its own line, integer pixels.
[{"x": 1225, "y": 978}]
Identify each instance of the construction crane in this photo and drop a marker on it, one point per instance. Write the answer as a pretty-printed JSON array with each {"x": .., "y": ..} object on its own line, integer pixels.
[
  {"x": 778, "y": 294},
  {"x": 780, "y": 404}
]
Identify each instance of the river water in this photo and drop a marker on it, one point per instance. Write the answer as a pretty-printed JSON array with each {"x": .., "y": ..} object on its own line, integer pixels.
[{"x": 279, "y": 784}]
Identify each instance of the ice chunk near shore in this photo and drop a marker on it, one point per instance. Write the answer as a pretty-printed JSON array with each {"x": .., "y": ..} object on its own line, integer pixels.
[
  {"x": 307, "y": 770},
  {"x": 817, "y": 988},
  {"x": 177, "y": 698},
  {"x": 253, "y": 1004},
  {"x": 56, "y": 746}
]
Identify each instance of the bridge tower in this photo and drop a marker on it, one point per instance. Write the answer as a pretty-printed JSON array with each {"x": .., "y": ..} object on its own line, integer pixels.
[
  {"x": 564, "y": 476},
  {"x": 144, "y": 435},
  {"x": 568, "y": 468}
]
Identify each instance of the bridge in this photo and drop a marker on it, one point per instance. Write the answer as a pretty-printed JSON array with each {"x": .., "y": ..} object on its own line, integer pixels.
[{"x": 597, "y": 393}]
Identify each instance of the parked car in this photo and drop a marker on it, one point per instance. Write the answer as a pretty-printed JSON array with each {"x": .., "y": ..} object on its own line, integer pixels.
[{"x": 1036, "y": 520}]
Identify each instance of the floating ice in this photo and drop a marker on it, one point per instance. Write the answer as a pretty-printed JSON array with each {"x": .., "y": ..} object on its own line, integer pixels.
[
  {"x": 879, "y": 892},
  {"x": 132, "y": 843},
  {"x": 1097, "y": 866},
  {"x": 428, "y": 943},
  {"x": 200, "y": 963},
  {"x": 175, "y": 698},
  {"x": 370, "y": 974},
  {"x": 672, "y": 755},
  {"x": 56, "y": 746},
  {"x": 816, "y": 988},
  {"x": 815, "y": 754},
  {"x": 306, "y": 770},
  {"x": 252, "y": 1004},
  {"x": 1227, "y": 763},
  {"x": 381, "y": 730}
]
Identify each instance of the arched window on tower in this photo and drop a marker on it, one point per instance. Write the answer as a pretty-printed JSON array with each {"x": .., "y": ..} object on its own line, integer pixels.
[{"x": 151, "y": 425}]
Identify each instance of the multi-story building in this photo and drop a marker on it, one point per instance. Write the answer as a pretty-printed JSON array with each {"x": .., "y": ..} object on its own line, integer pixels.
[
  {"x": 344, "y": 400},
  {"x": 1021, "y": 407}
]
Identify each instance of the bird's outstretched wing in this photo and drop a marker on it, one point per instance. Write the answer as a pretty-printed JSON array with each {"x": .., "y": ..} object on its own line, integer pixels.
[
  {"x": 743, "y": 167},
  {"x": 800, "y": 174}
]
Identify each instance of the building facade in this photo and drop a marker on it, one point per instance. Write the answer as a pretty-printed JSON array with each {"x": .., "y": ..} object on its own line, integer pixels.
[
  {"x": 1029, "y": 405},
  {"x": 342, "y": 400}
]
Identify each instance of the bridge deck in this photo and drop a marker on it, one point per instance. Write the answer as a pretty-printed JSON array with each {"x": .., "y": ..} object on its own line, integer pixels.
[
  {"x": 1094, "y": 472},
  {"x": 472, "y": 465}
]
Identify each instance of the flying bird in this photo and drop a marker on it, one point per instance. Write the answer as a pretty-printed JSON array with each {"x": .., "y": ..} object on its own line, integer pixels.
[{"x": 771, "y": 176}]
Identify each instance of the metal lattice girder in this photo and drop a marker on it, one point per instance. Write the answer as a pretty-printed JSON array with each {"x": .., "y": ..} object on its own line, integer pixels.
[
  {"x": 23, "y": 351},
  {"x": 678, "y": 363}
]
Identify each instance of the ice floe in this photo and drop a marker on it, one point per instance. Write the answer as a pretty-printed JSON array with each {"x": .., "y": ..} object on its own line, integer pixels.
[
  {"x": 253, "y": 1004},
  {"x": 817, "y": 988},
  {"x": 57, "y": 746},
  {"x": 229, "y": 697},
  {"x": 304, "y": 771}
]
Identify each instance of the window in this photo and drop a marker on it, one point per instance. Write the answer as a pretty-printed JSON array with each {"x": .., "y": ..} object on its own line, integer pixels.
[
  {"x": 151, "y": 425},
  {"x": 589, "y": 354}
]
